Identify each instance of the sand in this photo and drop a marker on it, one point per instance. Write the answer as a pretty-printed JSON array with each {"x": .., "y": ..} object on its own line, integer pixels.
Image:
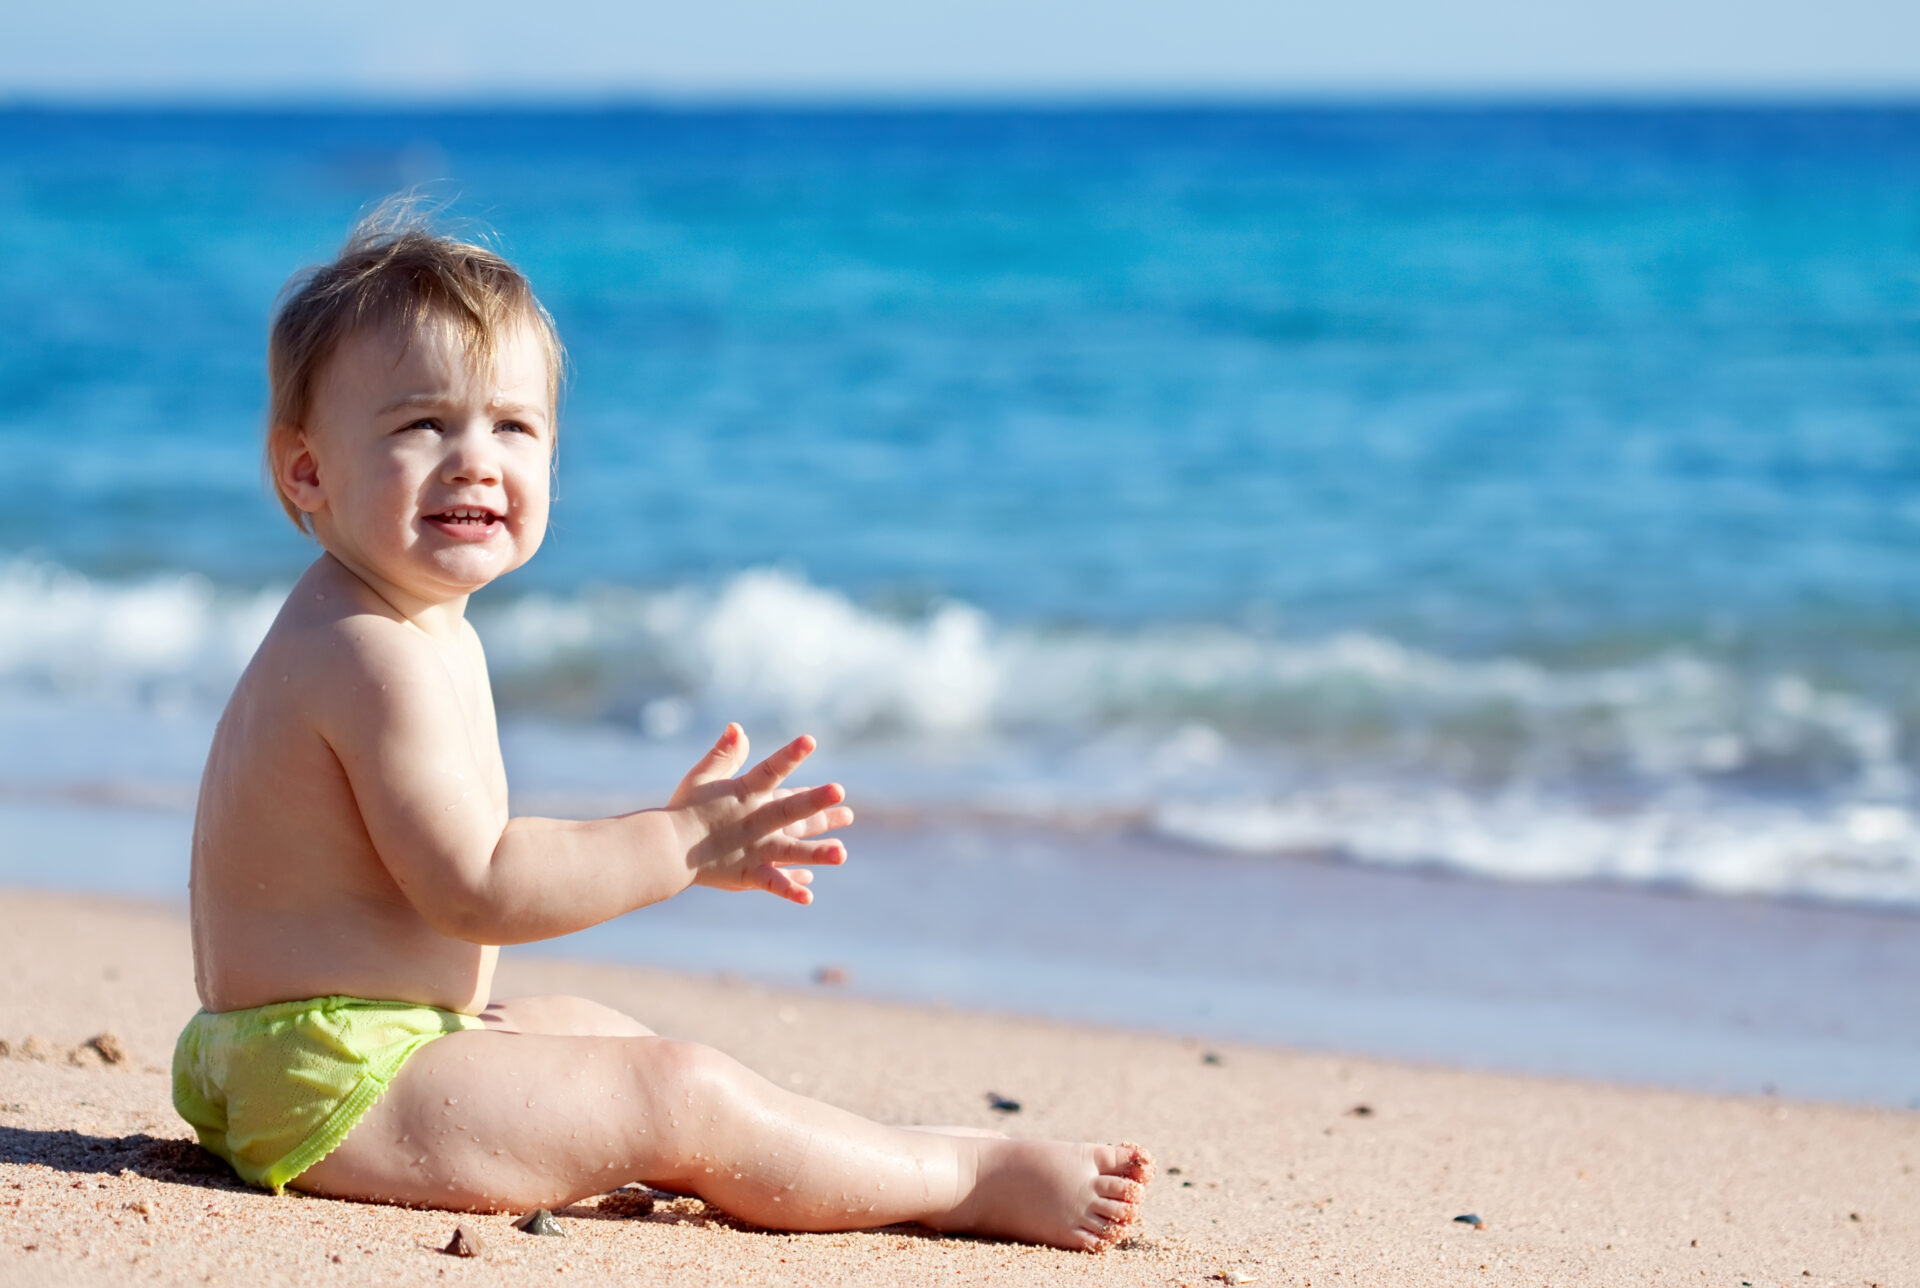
[{"x": 1277, "y": 1167}]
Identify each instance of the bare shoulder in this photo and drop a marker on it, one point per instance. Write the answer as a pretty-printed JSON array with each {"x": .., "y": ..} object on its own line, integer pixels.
[{"x": 345, "y": 655}]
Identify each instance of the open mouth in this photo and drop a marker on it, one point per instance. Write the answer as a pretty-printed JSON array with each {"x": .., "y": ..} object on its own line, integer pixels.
[{"x": 466, "y": 521}]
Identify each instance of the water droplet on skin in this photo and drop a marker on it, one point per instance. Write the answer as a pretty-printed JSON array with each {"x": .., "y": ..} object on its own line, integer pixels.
[
  {"x": 453, "y": 1100},
  {"x": 529, "y": 1104}
]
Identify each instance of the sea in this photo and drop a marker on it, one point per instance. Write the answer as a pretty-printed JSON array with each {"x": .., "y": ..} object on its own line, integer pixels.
[{"x": 1435, "y": 581}]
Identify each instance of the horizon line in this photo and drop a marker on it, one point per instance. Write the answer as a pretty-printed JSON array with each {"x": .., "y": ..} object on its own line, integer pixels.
[{"x": 1064, "y": 100}]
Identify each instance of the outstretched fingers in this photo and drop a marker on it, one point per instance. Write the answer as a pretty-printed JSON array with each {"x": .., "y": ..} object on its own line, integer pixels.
[
  {"x": 773, "y": 771},
  {"x": 723, "y": 760},
  {"x": 827, "y": 820},
  {"x": 798, "y": 808}
]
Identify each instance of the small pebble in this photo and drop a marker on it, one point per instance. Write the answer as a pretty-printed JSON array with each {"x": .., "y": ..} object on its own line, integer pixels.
[
  {"x": 464, "y": 1243},
  {"x": 1211, "y": 1057},
  {"x": 1360, "y": 1111},
  {"x": 1472, "y": 1219},
  {"x": 108, "y": 1048},
  {"x": 539, "y": 1221},
  {"x": 997, "y": 1101}
]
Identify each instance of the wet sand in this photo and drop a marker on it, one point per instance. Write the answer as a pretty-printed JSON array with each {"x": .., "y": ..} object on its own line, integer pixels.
[{"x": 1291, "y": 1168}]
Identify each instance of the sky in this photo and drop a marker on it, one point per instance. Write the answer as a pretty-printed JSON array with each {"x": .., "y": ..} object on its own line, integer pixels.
[{"x": 515, "y": 50}]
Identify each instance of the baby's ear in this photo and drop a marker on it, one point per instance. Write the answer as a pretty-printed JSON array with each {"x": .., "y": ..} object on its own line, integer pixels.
[{"x": 296, "y": 471}]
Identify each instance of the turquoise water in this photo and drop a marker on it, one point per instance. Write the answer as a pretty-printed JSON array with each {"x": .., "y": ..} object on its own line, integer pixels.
[{"x": 1531, "y": 492}]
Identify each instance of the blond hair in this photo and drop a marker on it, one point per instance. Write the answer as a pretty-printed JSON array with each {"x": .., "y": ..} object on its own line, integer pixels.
[{"x": 394, "y": 270}]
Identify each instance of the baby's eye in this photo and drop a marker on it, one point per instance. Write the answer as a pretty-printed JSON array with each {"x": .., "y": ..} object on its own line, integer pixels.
[
  {"x": 514, "y": 427},
  {"x": 425, "y": 422}
]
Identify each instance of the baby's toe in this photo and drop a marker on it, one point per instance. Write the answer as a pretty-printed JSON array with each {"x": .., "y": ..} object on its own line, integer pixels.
[
  {"x": 1139, "y": 1163},
  {"x": 1113, "y": 1211},
  {"x": 1087, "y": 1239},
  {"x": 1124, "y": 1188}
]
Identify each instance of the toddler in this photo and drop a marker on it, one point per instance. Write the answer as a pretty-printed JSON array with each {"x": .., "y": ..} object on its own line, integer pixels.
[{"x": 355, "y": 867}]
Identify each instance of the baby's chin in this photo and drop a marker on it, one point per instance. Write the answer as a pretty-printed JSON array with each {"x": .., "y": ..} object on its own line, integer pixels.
[{"x": 468, "y": 568}]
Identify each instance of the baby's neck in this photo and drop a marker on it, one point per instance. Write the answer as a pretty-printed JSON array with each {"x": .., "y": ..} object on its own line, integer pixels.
[{"x": 439, "y": 618}]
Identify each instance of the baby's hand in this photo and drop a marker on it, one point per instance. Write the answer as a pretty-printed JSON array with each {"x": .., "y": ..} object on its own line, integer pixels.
[{"x": 741, "y": 833}]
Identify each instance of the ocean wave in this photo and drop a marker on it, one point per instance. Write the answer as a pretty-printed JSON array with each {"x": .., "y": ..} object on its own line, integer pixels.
[
  {"x": 1674, "y": 767},
  {"x": 769, "y": 646},
  {"x": 169, "y": 639},
  {"x": 1858, "y": 850}
]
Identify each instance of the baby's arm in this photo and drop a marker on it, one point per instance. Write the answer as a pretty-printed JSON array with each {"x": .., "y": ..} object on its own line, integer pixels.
[{"x": 407, "y": 746}]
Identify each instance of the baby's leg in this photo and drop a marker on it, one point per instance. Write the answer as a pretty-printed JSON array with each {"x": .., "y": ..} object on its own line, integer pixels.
[{"x": 491, "y": 1120}]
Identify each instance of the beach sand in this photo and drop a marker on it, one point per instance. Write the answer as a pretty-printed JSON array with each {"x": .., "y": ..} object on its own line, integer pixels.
[{"x": 1277, "y": 1167}]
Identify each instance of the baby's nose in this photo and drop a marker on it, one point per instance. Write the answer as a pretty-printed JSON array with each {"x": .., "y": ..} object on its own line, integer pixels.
[{"x": 470, "y": 462}]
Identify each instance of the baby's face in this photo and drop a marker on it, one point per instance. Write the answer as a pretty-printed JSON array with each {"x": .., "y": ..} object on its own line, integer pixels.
[{"x": 430, "y": 474}]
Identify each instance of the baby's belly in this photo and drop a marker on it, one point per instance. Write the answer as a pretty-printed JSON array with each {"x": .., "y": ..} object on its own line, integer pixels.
[{"x": 254, "y": 957}]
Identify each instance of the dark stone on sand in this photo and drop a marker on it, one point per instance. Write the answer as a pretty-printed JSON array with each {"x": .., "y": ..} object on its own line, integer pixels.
[
  {"x": 464, "y": 1243},
  {"x": 539, "y": 1221},
  {"x": 1360, "y": 1111},
  {"x": 1001, "y": 1103},
  {"x": 1211, "y": 1057},
  {"x": 1173, "y": 1171},
  {"x": 630, "y": 1203},
  {"x": 1472, "y": 1219},
  {"x": 108, "y": 1048}
]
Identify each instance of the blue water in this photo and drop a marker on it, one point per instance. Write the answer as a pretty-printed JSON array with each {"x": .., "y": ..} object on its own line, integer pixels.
[{"x": 1534, "y": 492}]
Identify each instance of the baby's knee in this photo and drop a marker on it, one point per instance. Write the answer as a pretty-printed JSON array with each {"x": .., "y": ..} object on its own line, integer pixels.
[{"x": 699, "y": 1078}]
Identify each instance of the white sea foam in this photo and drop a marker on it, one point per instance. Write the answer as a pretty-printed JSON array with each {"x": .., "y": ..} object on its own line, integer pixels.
[
  {"x": 1670, "y": 768},
  {"x": 1849, "y": 851},
  {"x": 170, "y": 638}
]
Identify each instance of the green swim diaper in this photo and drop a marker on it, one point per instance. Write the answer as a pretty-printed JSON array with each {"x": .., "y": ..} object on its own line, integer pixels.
[{"x": 274, "y": 1089}]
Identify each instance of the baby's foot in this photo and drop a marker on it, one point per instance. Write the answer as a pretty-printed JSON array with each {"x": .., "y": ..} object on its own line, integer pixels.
[
  {"x": 942, "y": 1129},
  {"x": 1080, "y": 1197}
]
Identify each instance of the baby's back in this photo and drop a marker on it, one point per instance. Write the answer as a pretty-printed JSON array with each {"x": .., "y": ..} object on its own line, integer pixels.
[{"x": 290, "y": 898}]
